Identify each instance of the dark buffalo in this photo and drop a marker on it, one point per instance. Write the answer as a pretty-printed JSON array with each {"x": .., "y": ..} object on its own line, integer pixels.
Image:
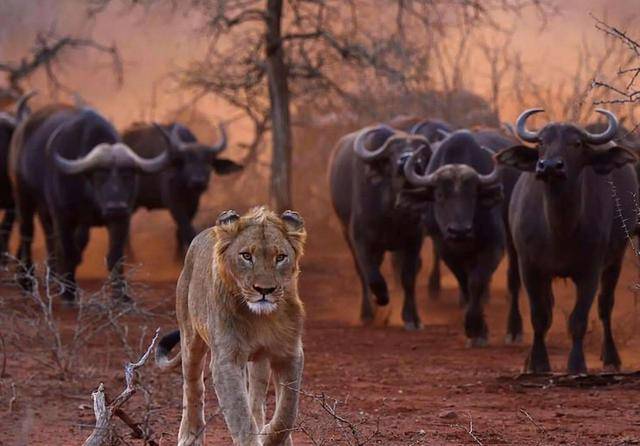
[
  {"x": 568, "y": 215},
  {"x": 8, "y": 124},
  {"x": 466, "y": 218},
  {"x": 70, "y": 166},
  {"x": 179, "y": 187},
  {"x": 435, "y": 130},
  {"x": 365, "y": 180}
]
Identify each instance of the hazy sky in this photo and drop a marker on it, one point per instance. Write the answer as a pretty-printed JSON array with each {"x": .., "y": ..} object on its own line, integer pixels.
[{"x": 155, "y": 44}]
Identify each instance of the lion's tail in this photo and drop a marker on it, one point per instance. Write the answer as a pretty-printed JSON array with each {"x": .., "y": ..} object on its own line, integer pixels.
[{"x": 165, "y": 345}]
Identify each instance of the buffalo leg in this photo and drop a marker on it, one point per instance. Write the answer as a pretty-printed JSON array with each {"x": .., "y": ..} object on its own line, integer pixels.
[
  {"x": 26, "y": 214},
  {"x": 409, "y": 271},
  {"x": 609, "y": 280},
  {"x": 118, "y": 234},
  {"x": 586, "y": 286},
  {"x": 5, "y": 233},
  {"x": 538, "y": 286},
  {"x": 366, "y": 309},
  {"x": 50, "y": 239},
  {"x": 67, "y": 259},
  {"x": 606, "y": 299},
  {"x": 370, "y": 260},
  {"x": 514, "y": 322},
  {"x": 184, "y": 230},
  {"x": 434, "y": 285},
  {"x": 474, "y": 324},
  {"x": 461, "y": 276}
]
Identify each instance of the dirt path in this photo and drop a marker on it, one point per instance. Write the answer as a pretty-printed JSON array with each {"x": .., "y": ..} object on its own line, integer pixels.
[{"x": 418, "y": 388}]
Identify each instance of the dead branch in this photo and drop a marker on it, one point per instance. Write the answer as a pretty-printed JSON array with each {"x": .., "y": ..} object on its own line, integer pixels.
[
  {"x": 628, "y": 92},
  {"x": 46, "y": 52},
  {"x": 3, "y": 368},
  {"x": 104, "y": 411},
  {"x": 14, "y": 397},
  {"x": 545, "y": 381},
  {"x": 469, "y": 430}
]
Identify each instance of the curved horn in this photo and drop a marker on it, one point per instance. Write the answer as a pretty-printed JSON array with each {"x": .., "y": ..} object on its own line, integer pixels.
[
  {"x": 172, "y": 138},
  {"x": 146, "y": 165},
  {"x": 492, "y": 178},
  {"x": 223, "y": 143},
  {"x": 413, "y": 177},
  {"x": 361, "y": 150},
  {"x": 67, "y": 166},
  {"x": 521, "y": 125},
  {"x": 608, "y": 134},
  {"x": 22, "y": 107},
  {"x": 93, "y": 159},
  {"x": 7, "y": 118}
]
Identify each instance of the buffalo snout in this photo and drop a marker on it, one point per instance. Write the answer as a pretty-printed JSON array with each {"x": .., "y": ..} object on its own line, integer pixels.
[
  {"x": 116, "y": 209},
  {"x": 551, "y": 168},
  {"x": 457, "y": 231}
]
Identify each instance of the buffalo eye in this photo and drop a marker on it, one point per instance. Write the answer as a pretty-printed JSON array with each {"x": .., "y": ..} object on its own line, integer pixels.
[
  {"x": 281, "y": 258},
  {"x": 246, "y": 256}
]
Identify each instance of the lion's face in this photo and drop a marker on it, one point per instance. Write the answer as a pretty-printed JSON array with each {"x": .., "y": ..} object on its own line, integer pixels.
[{"x": 260, "y": 253}]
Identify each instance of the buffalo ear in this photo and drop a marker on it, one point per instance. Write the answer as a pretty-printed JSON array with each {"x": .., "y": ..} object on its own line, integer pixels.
[
  {"x": 224, "y": 166},
  {"x": 603, "y": 162},
  {"x": 491, "y": 195},
  {"x": 519, "y": 157}
]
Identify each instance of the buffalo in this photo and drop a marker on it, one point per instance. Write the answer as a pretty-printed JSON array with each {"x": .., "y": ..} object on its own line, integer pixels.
[
  {"x": 8, "y": 124},
  {"x": 570, "y": 216},
  {"x": 466, "y": 217},
  {"x": 435, "y": 130},
  {"x": 179, "y": 187},
  {"x": 366, "y": 178},
  {"x": 70, "y": 166}
]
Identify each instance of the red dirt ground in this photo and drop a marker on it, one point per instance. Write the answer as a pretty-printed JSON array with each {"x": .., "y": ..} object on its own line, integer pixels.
[{"x": 419, "y": 388}]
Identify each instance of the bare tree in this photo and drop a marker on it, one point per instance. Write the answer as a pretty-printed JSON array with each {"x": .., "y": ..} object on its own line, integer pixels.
[
  {"x": 269, "y": 57},
  {"x": 46, "y": 55}
]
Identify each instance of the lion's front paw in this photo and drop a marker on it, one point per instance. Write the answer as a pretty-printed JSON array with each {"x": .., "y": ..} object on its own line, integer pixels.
[{"x": 271, "y": 438}]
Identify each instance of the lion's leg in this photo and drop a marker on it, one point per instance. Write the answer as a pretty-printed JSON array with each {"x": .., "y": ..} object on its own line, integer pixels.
[
  {"x": 230, "y": 384},
  {"x": 259, "y": 373},
  {"x": 193, "y": 351},
  {"x": 288, "y": 380}
]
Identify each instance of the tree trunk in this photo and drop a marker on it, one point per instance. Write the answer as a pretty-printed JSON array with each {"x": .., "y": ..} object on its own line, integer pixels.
[{"x": 279, "y": 100}]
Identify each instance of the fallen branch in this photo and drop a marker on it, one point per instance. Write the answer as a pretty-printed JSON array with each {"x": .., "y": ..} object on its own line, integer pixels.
[
  {"x": 544, "y": 381},
  {"x": 469, "y": 430},
  {"x": 14, "y": 397},
  {"x": 104, "y": 411}
]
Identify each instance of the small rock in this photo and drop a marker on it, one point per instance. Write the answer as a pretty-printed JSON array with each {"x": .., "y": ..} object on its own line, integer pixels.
[{"x": 448, "y": 415}]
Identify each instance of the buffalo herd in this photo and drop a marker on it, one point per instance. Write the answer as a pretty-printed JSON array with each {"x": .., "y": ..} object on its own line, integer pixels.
[
  {"x": 559, "y": 202},
  {"x": 71, "y": 167}
]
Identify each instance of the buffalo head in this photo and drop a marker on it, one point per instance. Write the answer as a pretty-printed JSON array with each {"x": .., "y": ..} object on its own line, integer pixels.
[
  {"x": 564, "y": 150},
  {"x": 385, "y": 151},
  {"x": 456, "y": 189},
  {"x": 110, "y": 167},
  {"x": 193, "y": 161}
]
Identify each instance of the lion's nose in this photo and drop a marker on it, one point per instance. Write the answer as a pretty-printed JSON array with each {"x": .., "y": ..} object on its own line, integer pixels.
[{"x": 264, "y": 291}]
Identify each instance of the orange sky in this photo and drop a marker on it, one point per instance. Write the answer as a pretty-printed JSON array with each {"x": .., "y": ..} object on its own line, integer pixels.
[{"x": 153, "y": 45}]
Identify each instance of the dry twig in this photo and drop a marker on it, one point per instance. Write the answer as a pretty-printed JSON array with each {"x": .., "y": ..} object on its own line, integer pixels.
[{"x": 104, "y": 411}]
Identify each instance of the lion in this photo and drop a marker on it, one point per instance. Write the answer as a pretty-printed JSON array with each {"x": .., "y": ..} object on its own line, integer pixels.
[{"x": 237, "y": 296}]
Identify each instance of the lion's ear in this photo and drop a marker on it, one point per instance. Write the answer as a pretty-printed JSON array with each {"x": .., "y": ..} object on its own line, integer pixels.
[
  {"x": 226, "y": 229},
  {"x": 227, "y": 217},
  {"x": 292, "y": 220},
  {"x": 295, "y": 230}
]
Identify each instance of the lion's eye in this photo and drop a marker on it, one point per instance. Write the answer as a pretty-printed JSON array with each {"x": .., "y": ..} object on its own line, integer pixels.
[
  {"x": 280, "y": 258},
  {"x": 246, "y": 256}
]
